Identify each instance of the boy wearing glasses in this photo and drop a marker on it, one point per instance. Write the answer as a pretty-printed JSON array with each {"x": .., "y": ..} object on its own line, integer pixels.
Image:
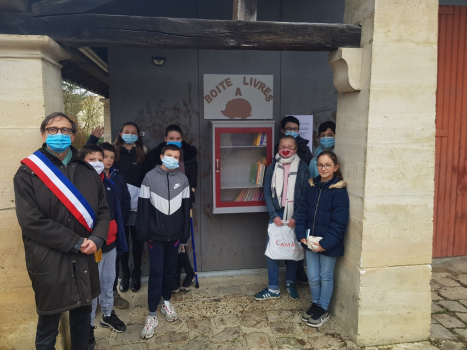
[{"x": 291, "y": 126}]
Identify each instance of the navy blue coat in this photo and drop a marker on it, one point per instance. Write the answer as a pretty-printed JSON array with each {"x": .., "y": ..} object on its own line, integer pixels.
[
  {"x": 118, "y": 199},
  {"x": 272, "y": 204},
  {"x": 123, "y": 195},
  {"x": 324, "y": 210}
]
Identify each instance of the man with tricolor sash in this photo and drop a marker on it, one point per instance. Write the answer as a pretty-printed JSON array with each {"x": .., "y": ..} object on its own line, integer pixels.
[{"x": 64, "y": 217}]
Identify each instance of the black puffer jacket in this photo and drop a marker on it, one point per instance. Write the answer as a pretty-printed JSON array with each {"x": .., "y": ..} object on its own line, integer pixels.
[
  {"x": 61, "y": 280},
  {"x": 189, "y": 158}
]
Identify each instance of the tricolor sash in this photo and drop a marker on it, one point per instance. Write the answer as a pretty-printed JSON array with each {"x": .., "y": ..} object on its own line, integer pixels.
[{"x": 62, "y": 187}]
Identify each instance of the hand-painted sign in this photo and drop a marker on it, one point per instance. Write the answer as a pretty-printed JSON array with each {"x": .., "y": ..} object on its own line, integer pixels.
[{"x": 238, "y": 96}]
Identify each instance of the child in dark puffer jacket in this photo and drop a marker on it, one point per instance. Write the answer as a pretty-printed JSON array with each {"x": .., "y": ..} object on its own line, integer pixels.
[{"x": 324, "y": 211}]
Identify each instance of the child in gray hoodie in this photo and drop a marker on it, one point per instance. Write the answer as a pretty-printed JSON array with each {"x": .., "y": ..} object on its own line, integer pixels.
[{"x": 164, "y": 222}]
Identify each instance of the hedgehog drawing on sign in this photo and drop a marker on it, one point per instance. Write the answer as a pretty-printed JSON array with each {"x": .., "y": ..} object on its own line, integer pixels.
[{"x": 237, "y": 108}]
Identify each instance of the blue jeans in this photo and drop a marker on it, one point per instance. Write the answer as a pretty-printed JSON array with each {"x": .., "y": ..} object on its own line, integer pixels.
[
  {"x": 320, "y": 273},
  {"x": 273, "y": 267}
]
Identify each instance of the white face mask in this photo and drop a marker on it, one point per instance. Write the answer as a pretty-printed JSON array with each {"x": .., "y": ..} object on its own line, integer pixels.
[{"x": 98, "y": 166}]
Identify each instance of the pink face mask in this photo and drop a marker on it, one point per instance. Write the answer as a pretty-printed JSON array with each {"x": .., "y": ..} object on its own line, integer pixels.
[{"x": 286, "y": 152}]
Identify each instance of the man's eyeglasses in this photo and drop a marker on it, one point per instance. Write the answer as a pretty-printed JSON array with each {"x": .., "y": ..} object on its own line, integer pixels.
[
  {"x": 291, "y": 129},
  {"x": 64, "y": 131},
  {"x": 324, "y": 166}
]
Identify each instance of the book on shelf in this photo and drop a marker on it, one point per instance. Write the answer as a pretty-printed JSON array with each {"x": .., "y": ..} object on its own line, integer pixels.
[
  {"x": 263, "y": 171},
  {"x": 257, "y": 171},
  {"x": 260, "y": 139},
  {"x": 253, "y": 173},
  {"x": 250, "y": 195},
  {"x": 240, "y": 196},
  {"x": 256, "y": 139}
]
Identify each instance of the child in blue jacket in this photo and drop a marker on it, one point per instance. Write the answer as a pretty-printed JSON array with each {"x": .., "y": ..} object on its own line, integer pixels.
[
  {"x": 324, "y": 211},
  {"x": 116, "y": 243}
]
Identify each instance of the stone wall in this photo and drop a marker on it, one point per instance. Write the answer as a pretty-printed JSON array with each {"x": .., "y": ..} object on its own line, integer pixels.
[
  {"x": 386, "y": 142},
  {"x": 30, "y": 88}
]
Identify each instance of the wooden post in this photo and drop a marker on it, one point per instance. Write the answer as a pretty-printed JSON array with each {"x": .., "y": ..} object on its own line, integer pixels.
[{"x": 244, "y": 10}]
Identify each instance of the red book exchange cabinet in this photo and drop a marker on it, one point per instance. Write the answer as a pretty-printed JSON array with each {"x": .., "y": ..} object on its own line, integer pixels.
[{"x": 242, "y": 150}]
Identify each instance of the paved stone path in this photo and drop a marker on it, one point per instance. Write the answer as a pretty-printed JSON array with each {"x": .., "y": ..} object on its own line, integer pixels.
[
  {"x": 222, "y": 315},
  {"x": 449, "y": 303}
]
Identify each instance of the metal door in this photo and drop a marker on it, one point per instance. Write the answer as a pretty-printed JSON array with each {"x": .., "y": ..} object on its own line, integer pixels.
[{"x": 450, "y": 215}]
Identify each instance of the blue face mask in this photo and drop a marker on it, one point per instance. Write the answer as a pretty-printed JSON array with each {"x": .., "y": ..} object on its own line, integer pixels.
[
  {"x": 176, "y": 143},
  {"x": 327, "y": 142},
  {"x": 129, "y": 138},
  {"x": 58, "y": 143},
  {"x": 292, "y": 133},
  {"x": 170, "y": 162}
]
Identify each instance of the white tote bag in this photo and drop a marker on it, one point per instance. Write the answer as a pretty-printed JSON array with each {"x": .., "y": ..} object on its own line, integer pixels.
[{"x": 283, "y": 244}]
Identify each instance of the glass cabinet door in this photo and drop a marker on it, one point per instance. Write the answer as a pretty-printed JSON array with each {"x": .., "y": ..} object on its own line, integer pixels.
[{"x": 241, "y": 158}]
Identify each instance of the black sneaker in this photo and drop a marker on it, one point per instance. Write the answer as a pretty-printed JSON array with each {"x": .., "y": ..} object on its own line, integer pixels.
[
  {"x": 188, "y": 281},
  {"x": 319, "y": 318},
  {"x": 309, "y": 313},
  {"x": 124, "y": 282},
  {"x": 92, "y": 339},
  {"x": 301, "y": 275},
  {"x": 135, "y": 282},
  {"x": 113, "y": 322},
  {"x": 119, "y": 302}
]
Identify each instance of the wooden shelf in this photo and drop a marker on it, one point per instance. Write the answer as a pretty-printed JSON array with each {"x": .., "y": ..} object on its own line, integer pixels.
[
  {"x": 231, "y": 185},
  {"x": 263, "y": 146}
]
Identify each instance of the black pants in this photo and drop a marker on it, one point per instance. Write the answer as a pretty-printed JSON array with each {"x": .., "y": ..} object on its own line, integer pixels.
[
  {"x": 137, "y": 251},
  {"x": 47, "y": 329},
  {"x": 183, "y": 261},
  {"x": 162, "y": 267}
]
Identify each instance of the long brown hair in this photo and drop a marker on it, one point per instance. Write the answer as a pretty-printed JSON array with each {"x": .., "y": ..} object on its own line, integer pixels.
[
  {"x": 333, "y": 157},
  {"x": 139, "y": 148}
]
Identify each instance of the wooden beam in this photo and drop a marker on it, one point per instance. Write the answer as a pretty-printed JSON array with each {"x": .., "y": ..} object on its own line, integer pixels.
[
  {"x": 244, "y": 10},
  {"x": 14, "y": 5},
  {"x": 62, "y": 7},
  {"x": 85, "y": 63},
  {"x": 100, "y": 30}
]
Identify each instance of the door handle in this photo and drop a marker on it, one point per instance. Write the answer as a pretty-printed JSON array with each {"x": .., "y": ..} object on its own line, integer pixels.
[{"x": 217, "y": 165}]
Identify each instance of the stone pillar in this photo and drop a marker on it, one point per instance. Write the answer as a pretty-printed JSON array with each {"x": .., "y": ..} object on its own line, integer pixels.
[
  {"x": 107, "y": 120},
  {"x": 30, "y": 88},
  {"x": 386, "y": 143}
]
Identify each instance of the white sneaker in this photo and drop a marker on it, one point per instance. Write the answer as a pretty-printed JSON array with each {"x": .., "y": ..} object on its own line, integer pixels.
[
  {"x": 148, "y": 329},
  {"x": 168, "y": 310}
]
